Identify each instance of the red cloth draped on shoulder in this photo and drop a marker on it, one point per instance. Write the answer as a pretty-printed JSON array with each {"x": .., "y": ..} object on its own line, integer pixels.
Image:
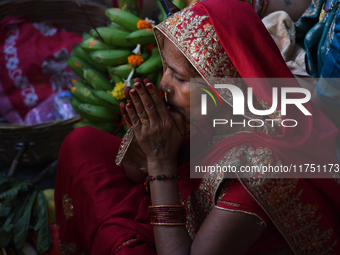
[
  {"x": 98, "y": 210},
  {"x": 314, "y": 203},
  {"x": 255, "y": 55}
]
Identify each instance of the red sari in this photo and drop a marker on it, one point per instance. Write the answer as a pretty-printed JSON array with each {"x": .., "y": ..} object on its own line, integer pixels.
[{"x": 100, "y": 211}]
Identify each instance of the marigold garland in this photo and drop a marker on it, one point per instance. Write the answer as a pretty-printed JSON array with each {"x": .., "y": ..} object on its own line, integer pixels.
[
  {"x": 142, "y": 24},
  {"x": 118, "y": 91},
  {"x": 135, "y": 60}
]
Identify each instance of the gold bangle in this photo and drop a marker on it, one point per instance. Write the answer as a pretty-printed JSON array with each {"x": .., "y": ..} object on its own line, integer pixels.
[{"x": 166, "y": 206}]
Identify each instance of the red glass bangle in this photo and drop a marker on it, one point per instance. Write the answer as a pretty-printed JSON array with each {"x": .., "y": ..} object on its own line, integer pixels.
[{"x": 167, "y": 215}]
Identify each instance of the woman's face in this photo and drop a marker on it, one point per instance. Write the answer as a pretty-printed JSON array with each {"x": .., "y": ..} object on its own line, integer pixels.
[{"x": 177, "y": 79}]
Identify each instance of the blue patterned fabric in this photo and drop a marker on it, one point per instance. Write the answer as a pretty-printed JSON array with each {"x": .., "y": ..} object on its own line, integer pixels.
[
  {"x": 314, "y": 36},
  {"x": 328, "y": 87},
  {"x": 318, "y": 32}
]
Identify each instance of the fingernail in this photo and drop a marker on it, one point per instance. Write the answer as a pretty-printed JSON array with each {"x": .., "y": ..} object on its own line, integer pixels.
[
  {"x": 133, "y": 92},
  {"x": 149, "y": 85},
  {"x": 129, "y": 106},
  {"x": 138, "y": 85}
]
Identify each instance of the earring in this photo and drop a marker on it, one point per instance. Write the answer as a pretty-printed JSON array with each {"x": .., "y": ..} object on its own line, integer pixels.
[{"x": 169, "y": 90}]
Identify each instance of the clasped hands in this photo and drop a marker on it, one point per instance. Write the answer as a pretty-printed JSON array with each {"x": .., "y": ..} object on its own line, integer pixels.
[{"x": 158, "y": 129}]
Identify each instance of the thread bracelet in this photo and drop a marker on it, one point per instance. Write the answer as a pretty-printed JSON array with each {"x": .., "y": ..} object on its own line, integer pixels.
[{"x": 159, "y": 178}]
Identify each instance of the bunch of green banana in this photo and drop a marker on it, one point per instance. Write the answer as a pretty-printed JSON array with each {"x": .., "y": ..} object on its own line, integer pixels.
[
  {"x": 111, "y": 57},
  {"x": 112, "y": 36},
  {"x": 106, "y": 61},
  {"x": 152, "y": 64},
  {"x": 93, "y": 44},
  {"x": 97, "y": 111},
  {"x": 123, "y": 18},
  {"x": 124, "y": 70},
  {"x": 141, "y": 36}
]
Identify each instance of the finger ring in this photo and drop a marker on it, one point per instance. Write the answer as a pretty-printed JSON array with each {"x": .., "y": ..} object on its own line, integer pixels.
[{"x": 144, "y": 121}]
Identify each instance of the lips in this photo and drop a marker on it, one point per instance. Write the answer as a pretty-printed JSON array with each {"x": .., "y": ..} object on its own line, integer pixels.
[{"x": 170, "y": 105}]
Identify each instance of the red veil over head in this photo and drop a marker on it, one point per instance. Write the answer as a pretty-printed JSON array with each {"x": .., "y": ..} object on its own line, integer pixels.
[
  {"x": 225, "y": 38},
  {"x": 248, "y": 52}
]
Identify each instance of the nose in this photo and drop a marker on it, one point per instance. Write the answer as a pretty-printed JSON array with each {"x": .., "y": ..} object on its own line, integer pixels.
[{"x": 165, "y": 81}]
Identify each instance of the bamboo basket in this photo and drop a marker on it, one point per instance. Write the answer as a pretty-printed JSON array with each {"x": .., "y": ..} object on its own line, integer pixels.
[{"x": 44, "y": 140}]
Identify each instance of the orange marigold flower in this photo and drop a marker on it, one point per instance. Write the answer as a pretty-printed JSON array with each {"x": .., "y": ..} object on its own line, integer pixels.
[
  {"x": 142, "y": 24},
  {"x": 135, "y": 60}
]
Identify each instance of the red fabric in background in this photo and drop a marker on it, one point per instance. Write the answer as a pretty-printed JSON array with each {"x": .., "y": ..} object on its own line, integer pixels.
[
  {"x": 24, "y": 48},
  {"x": 110, "y": 212}
]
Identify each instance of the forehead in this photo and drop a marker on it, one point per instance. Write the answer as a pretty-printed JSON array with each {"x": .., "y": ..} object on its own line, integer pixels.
[{"x": 171, "y": 52}]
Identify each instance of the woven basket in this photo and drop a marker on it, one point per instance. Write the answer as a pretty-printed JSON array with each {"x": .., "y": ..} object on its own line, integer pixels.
[{"x": 44, "y": 140}]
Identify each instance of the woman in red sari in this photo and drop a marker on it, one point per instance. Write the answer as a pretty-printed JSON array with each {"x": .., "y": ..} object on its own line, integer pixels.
[{"x": 100, "y": 211}]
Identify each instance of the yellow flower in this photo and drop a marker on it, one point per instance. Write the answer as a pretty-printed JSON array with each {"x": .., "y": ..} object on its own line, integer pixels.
[
  {"x": 135, "y": 60},
  {"x": 141, "y": 24},
  {"x": 118, "y": 91}
]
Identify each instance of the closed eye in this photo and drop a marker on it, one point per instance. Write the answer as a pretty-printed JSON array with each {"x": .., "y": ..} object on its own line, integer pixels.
[{"x": 180, "y": 80}]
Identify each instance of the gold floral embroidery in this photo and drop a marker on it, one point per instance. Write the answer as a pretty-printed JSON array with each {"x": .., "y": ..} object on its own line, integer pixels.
[
  {"x": 330, "y": 34},
  {"x": 68, "y": 207},
  {"x": 67, "y": 249},
  {"x": 229, "y": 203},
  {"x": 222, "y": 190},
  {"x": 256, "y": 158},
  {"x": 322, "y": 13},
  {"x": 336, "y": 176},
  {"x": 297, "y": 222},
  {"x": 198, "y": 41},
  {"x": 202, "y": 201},
  {"x": 200, "y": 204},
  {"x": 276, "y": 115},
  {"x": 312, "y": 9}
]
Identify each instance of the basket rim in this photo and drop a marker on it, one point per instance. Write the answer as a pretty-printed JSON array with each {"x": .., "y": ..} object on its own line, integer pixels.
[
  {"x": 2, "y": 2},
  {"x": 41, "y": 125}
]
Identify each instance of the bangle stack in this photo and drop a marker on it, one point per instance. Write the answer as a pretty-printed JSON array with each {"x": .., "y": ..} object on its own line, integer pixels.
[
  {"x": 167, "y": 215},
  {"x": 159, "y": 177}
]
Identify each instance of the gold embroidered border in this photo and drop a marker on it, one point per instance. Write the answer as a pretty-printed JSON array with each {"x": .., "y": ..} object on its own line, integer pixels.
[
  {"x": 240, "y": 211},
  {"x": 67, "y": 249},
  {"x": 229, "y": 203},
  {"x": 200, "y": 204},
  {"x": 296, "y": 221},
  {"x": 68, "y": 207},
  {"x": 125, "y": 243}
]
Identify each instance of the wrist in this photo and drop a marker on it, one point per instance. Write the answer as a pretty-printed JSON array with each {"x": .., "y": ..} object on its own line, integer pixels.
[{"x": 160, "y": 167}]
